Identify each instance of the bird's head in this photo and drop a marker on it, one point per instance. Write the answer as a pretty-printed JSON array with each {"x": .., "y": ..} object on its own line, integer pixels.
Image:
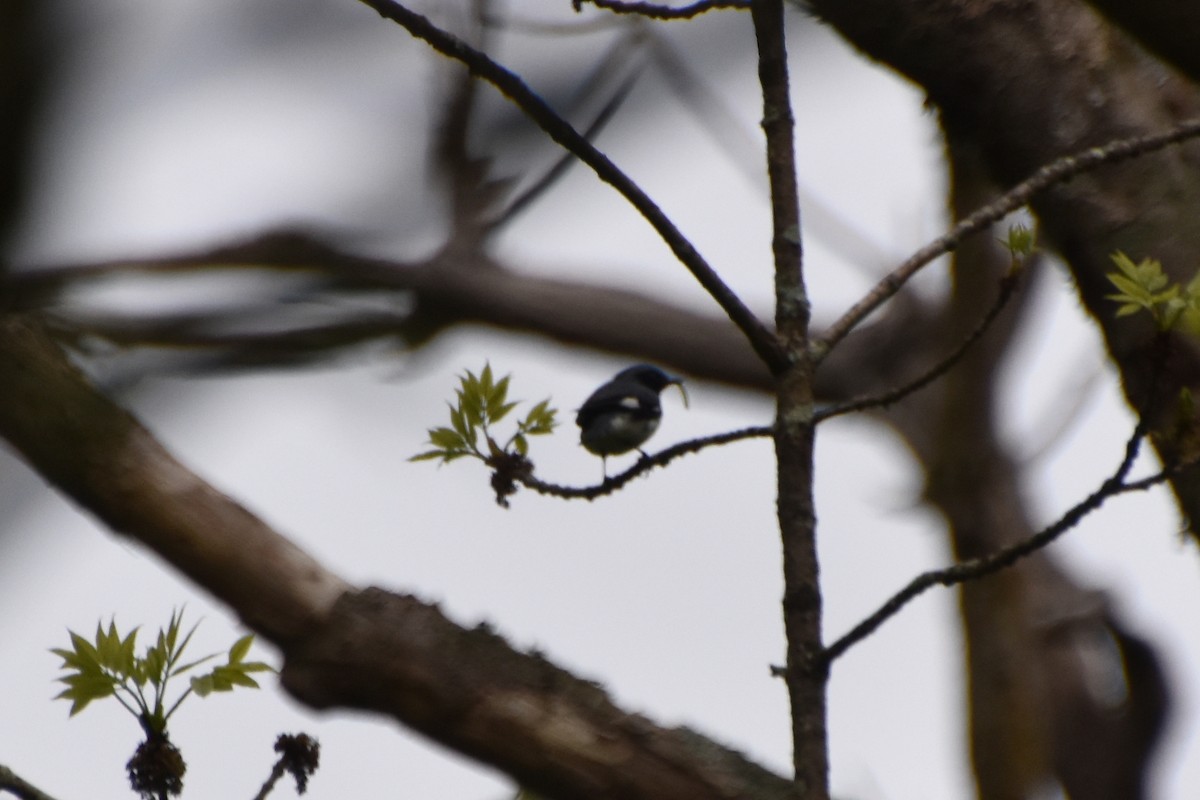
[{"x": 652, "y": 378}]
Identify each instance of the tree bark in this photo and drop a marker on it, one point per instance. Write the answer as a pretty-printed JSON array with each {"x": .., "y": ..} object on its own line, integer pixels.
[
  {"x": 1166, "y": 28},
  {"x": 560, "y": 735},
  {"x": 1026, "y": 82}
]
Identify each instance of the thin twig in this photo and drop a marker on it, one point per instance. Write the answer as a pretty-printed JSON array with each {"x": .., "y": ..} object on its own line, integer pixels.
[
  {"x": 1006, "y": 557},
  {"x": 1056, "y": 171},
  {"x": 515, "y": 89},
  {"x": 737, "y": 143},
  {"x": 655, "y": 11},
  {"x": 614, "y": 60},
  {"x": 272, "y": 779},
  {"x": 644, "y": 465},
  {"x": 1008, "y": 287}
]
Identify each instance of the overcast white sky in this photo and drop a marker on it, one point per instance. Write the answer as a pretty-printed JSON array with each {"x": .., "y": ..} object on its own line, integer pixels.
[{"x": 175, "y": 131}]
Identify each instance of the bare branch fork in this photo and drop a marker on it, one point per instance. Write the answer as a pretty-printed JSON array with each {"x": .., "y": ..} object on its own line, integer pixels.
[
  {"x": 1113, "y": 486},
  {"x": 559, "y": 130},
  {"x": 1058, "y": 171},
  {"x": 1008, "y": 287}
]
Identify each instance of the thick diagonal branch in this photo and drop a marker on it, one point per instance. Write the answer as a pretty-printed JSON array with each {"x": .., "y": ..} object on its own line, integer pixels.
[{"x": 372, "y": 650}]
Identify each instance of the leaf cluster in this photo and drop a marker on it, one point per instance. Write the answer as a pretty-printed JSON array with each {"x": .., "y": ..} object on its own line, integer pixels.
[
  {"x": 108, "y": 666},
  {"x": 1144, "y": 286},
  {"x": 1021, "y": 241},
  {"x": 483, "y": 402}
]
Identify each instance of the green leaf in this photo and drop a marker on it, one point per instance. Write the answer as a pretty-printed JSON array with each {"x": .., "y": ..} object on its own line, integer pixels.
[
  {"x": 154, "y": 663},
  {"x": 501, "y": 411},
  {"x": 1192, "y": 290},
  {"x": 1189, "y": 320},
  {"x": 241, "y": 679},
  {"x": 1020, "y": 240},
  {"x": 496, "y": 400},
  {"x": 456, "y": 419},
  {"x": 240, "y": 648},
  {"x": 83, "y": 661},
  {"x": 472, "y": 401},
  {"x": 482, "y": 400},
  {"x": 1147, "y": 273},
  {"x": 233, "y": 676},
  {"x": 108, "y": 645},
  {"x": 129, "y": 658},
  {"x": 192, "y": 664},
  {"x": 1123, "y": 262},
  {"x": 172, "y": 633},
  {"x": 83, "y": 689},
  {"x": 69, "y": 659},
  {"x": 540, "y": 419},
  {"x": 256, "y": 666},
  {"x": 470, "y": 386},
  {"x": 176, "y": 653},
  {"x": 1144, "y": 285},
  {"x": 1129, "y": 287},
  {"x": 85, "y": 652},
  {"x": 202, "y": 685},
  {"x": 446, "y": 439},
  {"x": 536, "y": 412},
  {"x": 428, "y": 455},
  {"x": 98, "y": 683},
  {"x": 1169, "y": 314}
]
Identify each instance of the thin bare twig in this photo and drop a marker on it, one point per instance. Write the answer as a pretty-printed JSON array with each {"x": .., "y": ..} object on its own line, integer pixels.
[
  {"x": 1055, "y": 172},
  {"x": 655, "y": 11},
  {"x": 1008, "y": 286},
  {"x": 660, "y": 459},
  {"x": 616, "y": 59},
  {"x": 272, "y": 779},
  {"x": 737, "y": 143},
  {"x": 761, "y": 338},
  {"x": 979, "y": 567}
]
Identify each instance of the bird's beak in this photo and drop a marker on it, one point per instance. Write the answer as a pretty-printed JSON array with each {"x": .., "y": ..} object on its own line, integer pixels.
[{"x": 678, "y": 382}]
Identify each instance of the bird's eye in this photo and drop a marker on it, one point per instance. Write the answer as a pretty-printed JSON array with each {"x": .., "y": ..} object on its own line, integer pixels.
[{"x": 629, "y": 402}]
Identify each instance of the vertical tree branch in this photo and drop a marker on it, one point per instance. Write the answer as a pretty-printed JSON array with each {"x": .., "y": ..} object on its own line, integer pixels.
[{"x": 806, "y": 671}]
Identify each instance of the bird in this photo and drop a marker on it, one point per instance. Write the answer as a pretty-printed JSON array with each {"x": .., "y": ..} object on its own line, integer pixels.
[{"x": 623, "y": 413}]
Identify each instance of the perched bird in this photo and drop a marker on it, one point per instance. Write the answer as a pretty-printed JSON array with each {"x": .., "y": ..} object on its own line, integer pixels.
[{"x": 623, "y": 413}]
